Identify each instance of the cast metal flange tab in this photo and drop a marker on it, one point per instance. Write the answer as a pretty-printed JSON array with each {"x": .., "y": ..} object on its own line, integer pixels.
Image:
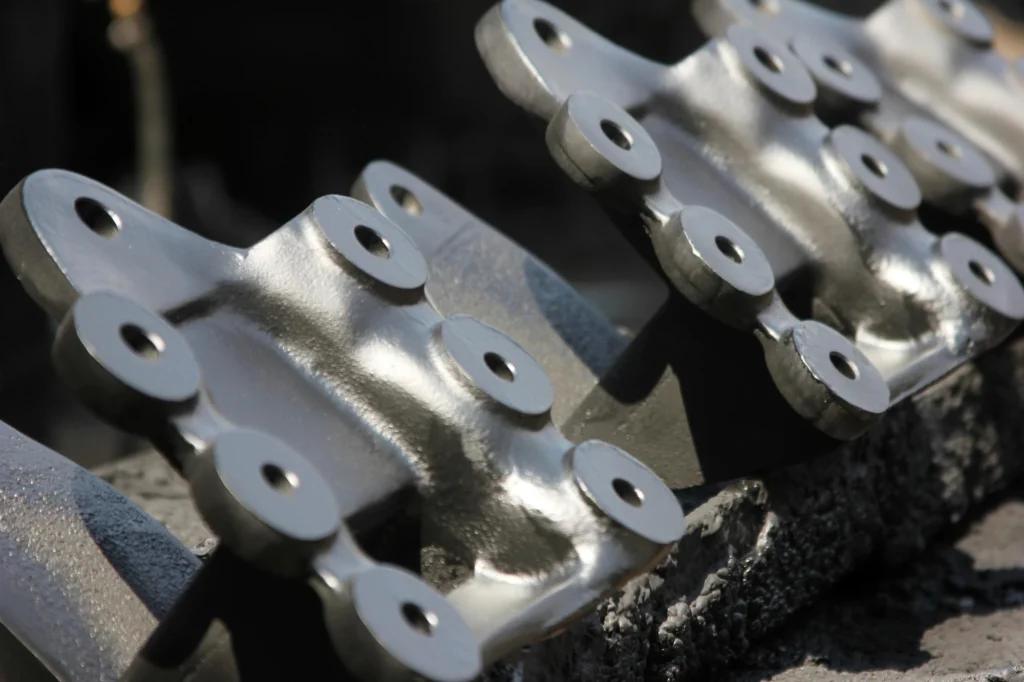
[
  {"x": 305, "y": 385},
  {"x": 922, "y": 76},
  {"x": 755, "y": 208}
]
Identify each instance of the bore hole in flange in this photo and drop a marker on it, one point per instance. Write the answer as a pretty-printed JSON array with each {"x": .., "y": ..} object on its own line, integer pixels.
[
  {"x": 982, "y": 272},
  {"x": 766, "y": 6},
  {"x": 874, "y": 165},
  {"x": 142, "y": 343},
  {"x": 953, "y": 8},
  {"x": 552, "y": 37},
  {"x": 420, "y": 620},
  {"x": 628, "y": 492},
  {"x": 843, "y": 365},
  {"x": 617, "y": 134},
  {"x": 949, "y": 149},
  {"x": 407, "y": 200},
  {"x": 98, "y": 217},
  {"x": 770, "y": 61},
  {"x": 729, "y": 248},
  {"x": 502, "y": 368},
  {"x": 372, "y": 241},
  {"x": 284, "y": 482},
  {"x": 840, "y": 66}
]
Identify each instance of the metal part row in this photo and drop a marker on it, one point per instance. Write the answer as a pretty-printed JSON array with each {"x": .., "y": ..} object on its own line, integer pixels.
[
  {"x": 760, "y": 213},
  {"x": 311, "y": 386}
]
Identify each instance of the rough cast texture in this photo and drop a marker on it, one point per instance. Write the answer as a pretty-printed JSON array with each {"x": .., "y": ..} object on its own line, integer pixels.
[{"x": 760, "y": 550}]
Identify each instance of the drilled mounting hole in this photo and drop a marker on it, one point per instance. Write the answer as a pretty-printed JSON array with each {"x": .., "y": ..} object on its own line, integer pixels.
[
  {"x": 840, "y": 66},
  {"x": 729, "y": 248},
  {"x": 552, "y": 37},
  {"x": 768, "y": 60},
  {"x": 284, "y": 482},
  {"x": 951, "y": 150},
  {"x": 617, "y": 134},
  {"x": 407, "y": 200},
  {"x": 370, "y": 240},
  {"x": 142, "y": 343},
  {"x": 502, "y": 368},
  {"x": 97, "y": 217},
  {"x": 982, "y": 272},
  {"x": 628, "y": 492},
  {"x": 874, "y": 165},
  {"x": 766, "y": 6},
  {"x": 953, "y": 8},
  {"x": 419, "y": 619},
  {"x": 843, "y": 365}
]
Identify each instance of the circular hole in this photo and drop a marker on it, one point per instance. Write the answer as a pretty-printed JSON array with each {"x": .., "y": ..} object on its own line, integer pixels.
[
  {"x": 407, "y": 200},
  {"x": 284, "y": 482},
  {"x": 874, "y": 165},
  {"x": 949, "y": 149},
  {"x": 729, "y": 248},
  {"x": 142, "y": 343},
  {"x": 766, "y": 6},
  {"x": 98, "y": 217},
  {"x": 502, "y": 368},
  {"x": 770, "y": 61},
  {"x": 953, "y": 8},
  {"x": 418, "y": 619},
  {"x": 373, "y": 242},
  {"x": 628, "y": 492},
  {"x": 982, "y": 272},
  {"x": 552, "y": 37},
  {"x": 614, "y": 132},
  {"x": 840, "y": 66},
  {"x": 843, "y": 365}
]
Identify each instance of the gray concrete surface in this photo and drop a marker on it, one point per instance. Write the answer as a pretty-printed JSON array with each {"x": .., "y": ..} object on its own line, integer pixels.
[{"x": 763, "y": 549}]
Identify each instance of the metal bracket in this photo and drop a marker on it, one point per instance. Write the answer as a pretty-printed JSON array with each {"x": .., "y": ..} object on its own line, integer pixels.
[
  {"x": 759, "y": 213},
  {"x": 306, "y": 385}
]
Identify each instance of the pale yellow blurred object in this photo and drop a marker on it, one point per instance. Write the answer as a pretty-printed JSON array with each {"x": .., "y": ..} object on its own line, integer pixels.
[{"x": 1009, "y": 34}]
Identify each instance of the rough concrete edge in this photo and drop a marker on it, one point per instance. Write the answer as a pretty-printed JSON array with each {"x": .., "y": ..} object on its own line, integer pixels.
[{"x": 762, "y": 549}]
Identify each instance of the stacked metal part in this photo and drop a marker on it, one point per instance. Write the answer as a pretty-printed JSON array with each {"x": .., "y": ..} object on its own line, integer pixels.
[{"x": 387, "y": 361}]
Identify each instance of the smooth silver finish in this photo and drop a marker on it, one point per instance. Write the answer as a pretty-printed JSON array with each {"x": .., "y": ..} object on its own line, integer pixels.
[
  {"x": 329, "y": 388},
  {"x": 761, "y": 208},
  {"x": 946, "y": 102}
]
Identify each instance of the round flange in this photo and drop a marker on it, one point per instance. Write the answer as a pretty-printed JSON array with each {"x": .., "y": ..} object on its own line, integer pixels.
[
  {"x": 948, "y": 153},
  {"x": 841, "y": 367},
  {"x": 837, "y": 71},
  {"x": 877, "y": 169},
  {"x": 599, "y": 143},
  {"x": 983, "y": 274},
  {"x": 728, "y": 251},
  {"x": 627, "y": 492},
  {"x": 274, "y": 485},
  {"x": 420, "y": 630},
  {"x": 772, "y": 65},
  {"x": 134, "y": 347},
  {"x": 497, "y": 365},
  {"x": 370, "y": 242},
  {"x": 963, "y": 18}
]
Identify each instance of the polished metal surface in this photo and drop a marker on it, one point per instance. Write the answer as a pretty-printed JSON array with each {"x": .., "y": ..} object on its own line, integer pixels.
[
  {"x": 803, "y": 232},
  {"x": 307, "y": 387},
  {"x": 920, "y": 75}
]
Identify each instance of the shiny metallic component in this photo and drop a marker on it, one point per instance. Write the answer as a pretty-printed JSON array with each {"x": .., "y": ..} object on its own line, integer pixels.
[
  {"x": 757, "y": 211},
  {"x": 307, "y": 385},
  {"x": 921, "y": 76}
]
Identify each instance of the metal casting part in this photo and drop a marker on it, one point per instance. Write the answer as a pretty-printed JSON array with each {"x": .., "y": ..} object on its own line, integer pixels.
[
  {"x": 84, "y": 573},
  {"x": 758, "y": 212},
  {"x": 920, "y": 75},
  {"x": 309, "y": 384}
]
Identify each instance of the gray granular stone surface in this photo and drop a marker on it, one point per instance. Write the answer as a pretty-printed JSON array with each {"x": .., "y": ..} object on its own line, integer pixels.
[{"x": 761, "y": 549}]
